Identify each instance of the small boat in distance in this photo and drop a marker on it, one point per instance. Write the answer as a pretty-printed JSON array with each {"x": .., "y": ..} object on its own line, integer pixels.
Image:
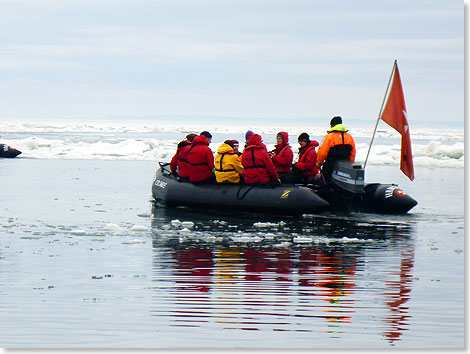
[{"x": 8, "y": 151}]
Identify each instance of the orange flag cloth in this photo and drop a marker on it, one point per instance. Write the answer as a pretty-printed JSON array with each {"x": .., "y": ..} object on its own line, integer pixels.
[{"x": 395, "y": 115}]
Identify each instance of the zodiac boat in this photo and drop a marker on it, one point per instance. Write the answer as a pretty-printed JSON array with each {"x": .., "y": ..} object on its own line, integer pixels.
[
  {"x": 8, "y": 151},
  {"x": 347, "y": 192}
]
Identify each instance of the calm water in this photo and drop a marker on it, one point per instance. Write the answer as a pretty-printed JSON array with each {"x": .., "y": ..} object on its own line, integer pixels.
[{"x": 86, "y": 263}]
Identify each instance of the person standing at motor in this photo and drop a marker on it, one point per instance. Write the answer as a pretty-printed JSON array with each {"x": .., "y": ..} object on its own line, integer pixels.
[
  {"x": 337, "y": 145},
  {"x": 179, "y": 164},
  {"x": 259, "y": 168},
  {"x": 201, "y": 159},
  {"x": 282, "y": 155}
]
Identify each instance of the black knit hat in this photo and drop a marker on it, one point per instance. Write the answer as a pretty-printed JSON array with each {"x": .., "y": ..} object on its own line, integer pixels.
[
  {"x": 206, "y": 134},
  {"x": 304, "y": 137},
  {"x": 229, "y": 143},
  {"x": 335, "y": 121}
]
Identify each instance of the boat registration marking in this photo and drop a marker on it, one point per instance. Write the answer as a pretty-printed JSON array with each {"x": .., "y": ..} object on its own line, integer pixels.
[
  {"x": 160, "y": 184},
  {"x": 394, "y": 189}
]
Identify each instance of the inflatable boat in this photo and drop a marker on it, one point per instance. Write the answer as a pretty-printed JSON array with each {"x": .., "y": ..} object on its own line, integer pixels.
[
  {"x": 346, "y": 193},
  {"x": 8, "y": 151}
]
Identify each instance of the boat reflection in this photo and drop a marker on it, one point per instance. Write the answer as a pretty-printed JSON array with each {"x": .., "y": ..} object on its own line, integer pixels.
[{"x": 312, "y": 274}]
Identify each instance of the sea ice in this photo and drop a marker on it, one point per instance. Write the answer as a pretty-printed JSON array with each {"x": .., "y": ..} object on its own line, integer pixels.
[
  {"x": 115, "y": 228},
  {"x": 139, "y": 228}
]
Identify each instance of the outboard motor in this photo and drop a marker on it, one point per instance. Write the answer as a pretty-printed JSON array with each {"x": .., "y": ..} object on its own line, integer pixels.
[
  {"x": 8, "y": 151},
  {"x": 348, "y": 177}
]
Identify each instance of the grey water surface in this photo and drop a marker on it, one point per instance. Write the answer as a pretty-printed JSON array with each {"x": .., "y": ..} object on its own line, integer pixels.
[{"x": 86, "y": 261}]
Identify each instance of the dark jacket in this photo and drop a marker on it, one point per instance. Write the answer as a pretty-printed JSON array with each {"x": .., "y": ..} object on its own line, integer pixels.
[
  {"x": 259, "y": 167},
  {"x": 308, "y": 159},
  {"x": 283, "y": 155},
  {"x": 200, "y": 159}
]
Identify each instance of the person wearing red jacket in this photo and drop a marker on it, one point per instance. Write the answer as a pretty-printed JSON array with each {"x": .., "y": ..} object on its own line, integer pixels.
[
  {"x": 305, "y": 168},
  {"x": 201, "y": 159},
  {"x": 259, "y": 167},
  {"x": 178, "y": 164},
  {"x": 282, "y": 155}
]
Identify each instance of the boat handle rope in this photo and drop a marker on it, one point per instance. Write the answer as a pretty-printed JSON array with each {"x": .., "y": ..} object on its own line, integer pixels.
[{"x": 244, "y": 194}]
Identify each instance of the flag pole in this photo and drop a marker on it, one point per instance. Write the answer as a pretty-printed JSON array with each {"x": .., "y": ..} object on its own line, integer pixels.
[{"x": 380, "y": 113}]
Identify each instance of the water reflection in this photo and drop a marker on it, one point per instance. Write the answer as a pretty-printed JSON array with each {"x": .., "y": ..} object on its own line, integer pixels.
[
  {"x": 397, "y": 295},
  {"x": 335, "y": 274}
]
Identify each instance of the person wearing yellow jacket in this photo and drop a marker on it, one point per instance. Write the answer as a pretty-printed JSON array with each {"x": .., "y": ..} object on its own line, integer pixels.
[
  {"x": 228, "y": 166},
  {"x": 338, "y": 144}
]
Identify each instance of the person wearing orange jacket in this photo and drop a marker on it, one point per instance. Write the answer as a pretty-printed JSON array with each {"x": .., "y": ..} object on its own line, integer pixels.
[
  {"x": 259, "y": 167},
  {"x": 338, "y": 144},
  {"x": 200, "y": 159},
  {"x": 282, "y": 155}
]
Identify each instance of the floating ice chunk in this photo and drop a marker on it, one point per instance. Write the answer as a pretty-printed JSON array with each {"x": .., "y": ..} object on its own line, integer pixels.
[
  {"x": 284, "y": 244},
  {"x": 134, "y": 241},
  {"x": 347, "y": 239},
  {"x": 187, "y": 224},
  {"x": 115, "y": 228},
  {"x": 166, "y": 227},
  {"x": 302, "y": 239},
  {"x": 175, "y": 223},
  {"x": 269, "y": 236},
  {"x": 139, "y": 228},
  {"x": 185, "y": 231},
  {"x": 143, "y": 215},
  {"x": 264, "y": 224},
  {"x": 78, "y": 232},
  {"x": 245, "y": 239}
]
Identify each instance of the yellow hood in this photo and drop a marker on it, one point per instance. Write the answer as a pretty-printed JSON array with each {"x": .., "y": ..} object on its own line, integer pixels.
[{"x": 224, "y": 148}]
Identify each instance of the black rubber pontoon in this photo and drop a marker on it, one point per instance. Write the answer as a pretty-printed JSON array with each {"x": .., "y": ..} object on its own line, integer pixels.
[
  {"x": 287, "y": 200},
  {"x": 347, "y": 193}
]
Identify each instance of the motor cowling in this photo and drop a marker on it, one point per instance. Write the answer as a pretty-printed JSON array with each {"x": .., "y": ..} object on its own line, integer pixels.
[{"x": 348, "y": 176}]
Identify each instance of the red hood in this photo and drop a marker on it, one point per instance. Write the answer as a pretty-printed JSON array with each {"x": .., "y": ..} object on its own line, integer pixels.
[
  {"x": 285, "y": 138},
  {"x": 201, "y": 139},
  {"x": 314, "y": 143},
  {"x": 255, "y": 139}
]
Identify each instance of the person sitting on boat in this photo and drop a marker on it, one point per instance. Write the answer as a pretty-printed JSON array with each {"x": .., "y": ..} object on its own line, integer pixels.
[
  {"x": 305, "y": 169},
  {"x": 282, "y": 155},
  {"x": 247, "y": 137},
  {"x": 235, "y": 147},
  {"x": 178, "y": 164},
  {"x": 259, "y": 168},
  {"x": 201, "y": 159},
  {"x": 338, "y": 144},
  {"x": 228, "y": 168}
]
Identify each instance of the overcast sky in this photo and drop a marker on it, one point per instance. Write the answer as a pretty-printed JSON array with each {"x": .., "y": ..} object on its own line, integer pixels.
[{"x": 229, "y": 58}]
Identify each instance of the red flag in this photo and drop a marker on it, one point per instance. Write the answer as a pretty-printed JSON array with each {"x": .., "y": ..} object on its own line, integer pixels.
[{"x": 395, "y": 115}]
